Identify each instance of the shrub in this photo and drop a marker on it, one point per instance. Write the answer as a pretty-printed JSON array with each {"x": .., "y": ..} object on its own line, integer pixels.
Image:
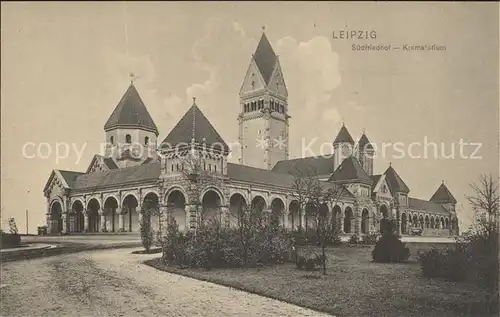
[
  {"x": 432, "y": 263},
  {"x": 146, "y": 231},
  {"x": 370, "y": 239},
  {"x": 217, "y": 246},
  {"x": 389, "y": 248},
  {"x": 309, "y": 261}
]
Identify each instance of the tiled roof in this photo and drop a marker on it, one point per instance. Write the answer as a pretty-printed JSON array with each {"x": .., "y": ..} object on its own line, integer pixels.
[
  {"x": 351, "y": 171},
  {"x": 395, "y": 182},
  {"x": 262, "y": 176},
  {"x": 110, "y": 163},
  {"x": 443, "y": 195},
  {"x": 182, "y": 133},
  {"x": 316, "y": 165},
  {"x": 344, "y": 136},
  {"x": 131, "y": 113},
  {"x": 97, "y": 180},
  {"x": 70, "y": 177},
  {"x": 425, "y": 205},
  {"x": 364, "y": 143},
  {"x": 375, "y": 179},
  {"x": 265, "y": 58}
]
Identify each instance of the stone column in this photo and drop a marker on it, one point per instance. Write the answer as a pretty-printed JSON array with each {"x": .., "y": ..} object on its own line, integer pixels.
[
  {"x": 72, "y": 222},
  {"x": 225, "y": 216},
  {"x": 285, "y": 218},
  {"x": 86, "y": 220},
  {"x": 303, "y": 219},
  {"x": 121, "y": 226},
  {"x": 103, "y": 221},
  {"x": 191, "y": 217},
  {"x": 357, "y": 224},
  {"x": 64, "y": 220},
  {"x": 341, "y": 229}
]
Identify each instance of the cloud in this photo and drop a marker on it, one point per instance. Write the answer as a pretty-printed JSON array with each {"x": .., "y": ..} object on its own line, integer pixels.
[{"x": 311, "y": 71}]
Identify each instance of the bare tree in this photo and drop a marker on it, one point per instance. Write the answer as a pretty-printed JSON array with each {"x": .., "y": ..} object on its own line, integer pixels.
[
  {"x": 312, "y": 194},
  {"x": 485, "y": 203},
  {"x": 193, "y": 169}
]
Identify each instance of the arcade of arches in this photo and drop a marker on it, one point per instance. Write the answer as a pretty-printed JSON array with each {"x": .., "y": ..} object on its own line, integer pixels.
[{"x": 111, "y": 215}]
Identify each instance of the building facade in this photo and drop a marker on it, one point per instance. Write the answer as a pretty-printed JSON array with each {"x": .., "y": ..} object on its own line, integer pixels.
[{"x": 188, "y": 175}]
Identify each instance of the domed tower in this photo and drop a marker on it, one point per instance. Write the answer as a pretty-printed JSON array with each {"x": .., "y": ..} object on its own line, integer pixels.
[
  {"x": 263, "y": 118},
  {"x": 131, "y": 134},
  {"x": 342, "y": 147}
]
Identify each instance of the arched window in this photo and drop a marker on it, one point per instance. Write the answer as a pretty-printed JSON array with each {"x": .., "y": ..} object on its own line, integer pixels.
[
  {"x": 111, "y": 140},
  {"x": 128, "y": 139},
  {"x": 282, "y": 108},
  {"x": 272, "y": 105},
  {"x": 215, "y": 168},
  {"x": 261, "y": 104},
  {"x": 146, "y": 140}
]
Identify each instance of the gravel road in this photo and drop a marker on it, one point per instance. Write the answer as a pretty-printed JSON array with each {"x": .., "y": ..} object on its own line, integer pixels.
[{"x": 115, "y": 283}]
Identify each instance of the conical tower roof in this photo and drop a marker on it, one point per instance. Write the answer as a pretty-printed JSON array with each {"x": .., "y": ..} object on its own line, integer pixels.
[
  {"x": 395, "y": 182},
  {"x": 364, "y": 144},
  {"x": 194, "y": 125},
  {"x": 443, "y": 195},
  {"x": 344, "y": 136},
  {"x": 131, "y": 112},
  {"x": 265, "y": 58},
  {"x": 351, "y": 171}
]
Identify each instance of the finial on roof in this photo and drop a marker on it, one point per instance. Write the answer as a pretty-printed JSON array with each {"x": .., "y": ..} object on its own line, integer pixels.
[
  {"x": 442, "y": 181},
  {"x": 343, "y": 123},
  {"x": 263, "y": 28},
  {"x": 363, "y": 130},
  {"x": 132, "y": 78},
  {"x": 194, "y": 119},
  {"x": 390, "y": 164},
  {"x": 194, "y": 100}
]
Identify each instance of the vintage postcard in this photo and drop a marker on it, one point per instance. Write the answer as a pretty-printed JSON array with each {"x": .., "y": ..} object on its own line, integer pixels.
[{"x": 249, "y": 159}]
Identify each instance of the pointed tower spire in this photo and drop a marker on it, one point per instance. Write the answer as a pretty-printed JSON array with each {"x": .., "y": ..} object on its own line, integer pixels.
[
  {"x": 265, "y": 58},
  {"x": 131, "y": 112}
]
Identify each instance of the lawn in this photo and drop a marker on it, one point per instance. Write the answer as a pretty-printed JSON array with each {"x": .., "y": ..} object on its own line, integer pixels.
[{"x": 353, "y": 286}]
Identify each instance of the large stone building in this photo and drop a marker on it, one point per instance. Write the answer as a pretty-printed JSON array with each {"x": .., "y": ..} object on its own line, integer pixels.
[{"x": 137, "y": 172}]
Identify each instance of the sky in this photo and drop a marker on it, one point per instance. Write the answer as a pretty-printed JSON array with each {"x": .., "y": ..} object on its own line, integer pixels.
[{"x": 66, "y": 65}]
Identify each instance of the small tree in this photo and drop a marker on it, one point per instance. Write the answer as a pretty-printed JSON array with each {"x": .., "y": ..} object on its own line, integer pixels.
[
  {"x": 484, "y": 241},
  {"x": 12, "y": 226},
  {"x": 146, "y": 230},
  {"x": 312, "y": 194}
]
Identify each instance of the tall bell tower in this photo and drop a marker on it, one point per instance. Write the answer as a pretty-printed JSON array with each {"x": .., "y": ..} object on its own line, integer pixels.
[{"x": 263, "y": 118}]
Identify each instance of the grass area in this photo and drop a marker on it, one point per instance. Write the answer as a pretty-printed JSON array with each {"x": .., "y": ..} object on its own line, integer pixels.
[{"x": 353, "y": 286}]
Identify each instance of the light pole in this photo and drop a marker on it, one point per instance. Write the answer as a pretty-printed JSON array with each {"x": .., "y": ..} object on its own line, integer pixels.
[{"x": 27, "y": 232}]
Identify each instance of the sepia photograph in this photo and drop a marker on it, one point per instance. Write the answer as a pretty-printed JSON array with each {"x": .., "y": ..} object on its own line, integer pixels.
[{"x": 250, "y": 159}]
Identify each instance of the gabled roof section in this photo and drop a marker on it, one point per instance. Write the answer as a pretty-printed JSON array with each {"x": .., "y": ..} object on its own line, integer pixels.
[
  {"x": 395, "y": 182},
  {"x": 265, "y": 58},
  {"x": 424, "y": 205},
  {"x": 312, "y": 165},
  {"x": 133, "y": 174},
  {"x": 262, "y": 176},
  {"x": 350, "y": 171},
  {"x": 195, "y": 125},
  {"x": 375, "y": 179},
  {"x": 67, "y": 178},
  {"x": 131, "y": 112},
  {"x": 343, "y": 136},
  {"x": 107, "y": 161},
  {"x": 364, "y": 144},
  {"x": 443, "y": 195}
]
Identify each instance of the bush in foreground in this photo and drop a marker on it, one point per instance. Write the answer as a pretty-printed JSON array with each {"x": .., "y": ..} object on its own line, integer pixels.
[
  {"x": 215, "y": 246},
  {"x": 389, "y": 247}
]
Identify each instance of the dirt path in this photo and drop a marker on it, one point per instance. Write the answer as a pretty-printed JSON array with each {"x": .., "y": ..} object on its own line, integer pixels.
[{"x": 115, "y": 283}]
